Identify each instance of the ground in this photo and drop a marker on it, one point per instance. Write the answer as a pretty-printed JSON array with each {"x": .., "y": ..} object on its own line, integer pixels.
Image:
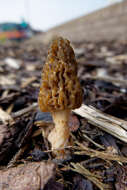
[{"x": 98, "y": 158}]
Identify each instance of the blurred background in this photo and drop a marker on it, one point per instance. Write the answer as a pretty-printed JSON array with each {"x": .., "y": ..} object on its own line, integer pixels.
[
  {"x": 43, "y": 15},
  {"x": 23, "y": 18}
]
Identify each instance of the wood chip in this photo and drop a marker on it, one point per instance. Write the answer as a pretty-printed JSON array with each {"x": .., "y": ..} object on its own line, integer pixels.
[
  {"x": 5, "y": 117},
  {"x": 27, "y": 82},
  {"x": 14, "y": 63},
  {"x": 112, "y": 125},
  {"x": 4, "y": 80}
]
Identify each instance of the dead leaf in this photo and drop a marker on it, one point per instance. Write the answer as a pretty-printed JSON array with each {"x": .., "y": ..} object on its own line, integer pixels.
[{"x": 74, "y": 123}]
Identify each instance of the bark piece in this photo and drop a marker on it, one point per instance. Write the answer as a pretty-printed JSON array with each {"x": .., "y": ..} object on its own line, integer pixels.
[{"x": 31, "y": 176}]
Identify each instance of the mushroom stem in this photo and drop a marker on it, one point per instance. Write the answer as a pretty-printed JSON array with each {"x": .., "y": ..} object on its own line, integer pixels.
[{"x": 59, "y": 136}]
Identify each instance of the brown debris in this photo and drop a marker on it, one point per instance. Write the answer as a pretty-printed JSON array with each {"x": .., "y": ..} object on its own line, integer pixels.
[
  {"x": 52, "y": 184},
  {"x": 4, "y": 133},
  {"x": 81, "y": 183},
  {"x": 121, "y": 178}
]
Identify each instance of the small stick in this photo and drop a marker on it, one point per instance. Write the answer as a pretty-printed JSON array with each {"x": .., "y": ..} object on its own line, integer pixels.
[
  {"x": 58, "y": 149},
  {"x": 96, "y": 144},
  {"x": 27, "y": 82},
  {"x": 89, "y": 175},
  {"x": 17, "y": 156},
  {"x": 25, "y": 110},
  {"x": 100, "y": 154}
]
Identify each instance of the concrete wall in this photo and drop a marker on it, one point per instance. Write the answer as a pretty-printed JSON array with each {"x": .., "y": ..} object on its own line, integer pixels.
[{"x": 106, "y": 24}]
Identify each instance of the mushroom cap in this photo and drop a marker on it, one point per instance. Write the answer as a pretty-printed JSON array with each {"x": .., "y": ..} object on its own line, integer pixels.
[{"x": 60, "y": 88}]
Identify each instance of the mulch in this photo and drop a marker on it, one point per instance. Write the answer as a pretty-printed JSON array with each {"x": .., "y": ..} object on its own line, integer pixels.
[{"x": 102, "y": 70}]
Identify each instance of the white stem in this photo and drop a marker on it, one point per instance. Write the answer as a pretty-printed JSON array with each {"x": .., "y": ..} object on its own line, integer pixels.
[{"x": 59, "y": 136}]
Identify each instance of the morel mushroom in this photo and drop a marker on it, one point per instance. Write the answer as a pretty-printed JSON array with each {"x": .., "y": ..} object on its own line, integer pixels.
[{"x": 60, "y": 90}]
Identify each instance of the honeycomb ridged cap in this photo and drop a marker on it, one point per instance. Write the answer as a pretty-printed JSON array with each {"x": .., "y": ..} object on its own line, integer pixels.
[{"x": 60, "y": 88}]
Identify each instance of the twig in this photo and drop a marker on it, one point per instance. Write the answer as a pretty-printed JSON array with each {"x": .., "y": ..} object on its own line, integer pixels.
[
  {"x": 57, "y": 149},
  {"x": 17, "y": 156},
  {"x": 112, "y": 125},
  {"x": 100, "y": 154},
  {"x": 28, "y": 81},
  {"x": 25, "y": 110},
  {"x": 83, "y": 171},
  {"x": 96, "y": 144}
]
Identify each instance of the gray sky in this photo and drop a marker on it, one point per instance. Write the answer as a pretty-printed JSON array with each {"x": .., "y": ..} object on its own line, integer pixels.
[{"x": 44, "y": 14}]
